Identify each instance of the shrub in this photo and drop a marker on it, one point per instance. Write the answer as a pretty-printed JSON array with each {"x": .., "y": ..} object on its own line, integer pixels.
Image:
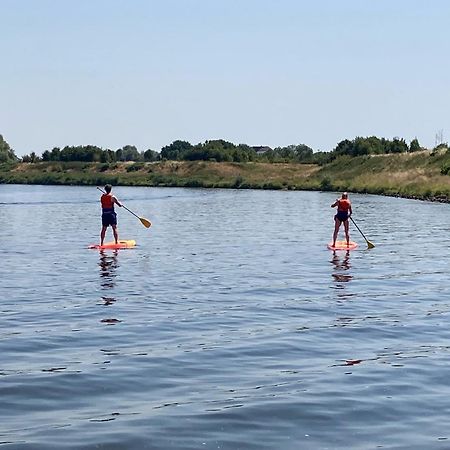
[
  {"x": 325, "y": 184},
  {"x": 135, "y": 167}
]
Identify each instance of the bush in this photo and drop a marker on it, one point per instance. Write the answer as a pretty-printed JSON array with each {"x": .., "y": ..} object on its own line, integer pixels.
[
  {"x": 325, "y": 184},
  {"x": 445, "y": 169},
  {"x": 135, "y": 167}
]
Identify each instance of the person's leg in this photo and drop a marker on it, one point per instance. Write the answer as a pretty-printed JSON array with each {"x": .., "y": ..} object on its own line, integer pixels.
[
  {"x": 102, "y": 235},
  {"x": 337, "y": 224},
  {"x": 116, "y": 234},
  {"x": 347, "y": 237}
]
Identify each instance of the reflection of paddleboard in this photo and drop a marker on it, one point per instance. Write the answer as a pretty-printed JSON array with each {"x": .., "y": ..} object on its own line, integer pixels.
[
  {"x": 342, "y": 245},
  {"x": 112, "y": 245}
]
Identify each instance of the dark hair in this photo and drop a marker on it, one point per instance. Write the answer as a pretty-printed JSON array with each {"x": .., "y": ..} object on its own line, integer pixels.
[{"x": 108, "y": 188}]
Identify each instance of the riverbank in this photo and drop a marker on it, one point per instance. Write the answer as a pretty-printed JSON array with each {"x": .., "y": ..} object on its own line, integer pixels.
[{"x": 422, "y": 175}]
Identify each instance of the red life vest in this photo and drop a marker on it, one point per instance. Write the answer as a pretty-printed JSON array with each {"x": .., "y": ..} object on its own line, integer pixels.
[
  {"x": 107, "y": 201},
  {"x": 343, "y": 204}
]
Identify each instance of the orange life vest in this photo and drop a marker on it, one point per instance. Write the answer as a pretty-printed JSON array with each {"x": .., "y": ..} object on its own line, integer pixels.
[
  {"x": 107, "y": 201},
  {"x": 343, "y": 204}
]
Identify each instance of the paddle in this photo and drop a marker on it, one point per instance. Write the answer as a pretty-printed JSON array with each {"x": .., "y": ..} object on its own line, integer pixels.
[
  {"x": 369, "y": 244},
  {"x": 145, "y": 222}
]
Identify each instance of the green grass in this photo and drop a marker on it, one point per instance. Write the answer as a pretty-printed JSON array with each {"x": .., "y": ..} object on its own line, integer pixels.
[{"x": 419, "y": 175}]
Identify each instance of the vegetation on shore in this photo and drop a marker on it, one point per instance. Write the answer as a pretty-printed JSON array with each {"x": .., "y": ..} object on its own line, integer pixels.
[
  {"x": 365, "y": 165},
  {"x": 416, "y": 175}
]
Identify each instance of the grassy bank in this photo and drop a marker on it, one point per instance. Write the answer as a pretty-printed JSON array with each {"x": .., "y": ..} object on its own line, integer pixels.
[
  {"x": 167, "y": 173},
  {"x": 417, "y": 175}
]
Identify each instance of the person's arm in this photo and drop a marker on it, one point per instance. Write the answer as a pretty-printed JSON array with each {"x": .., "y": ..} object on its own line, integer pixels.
[
  {"x": 335, "y": 203},
  {"x": 114, "y": 199},
  {"x": 350, "y": 210}
]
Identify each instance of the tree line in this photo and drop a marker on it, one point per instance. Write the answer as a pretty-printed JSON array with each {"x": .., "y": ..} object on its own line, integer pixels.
[{"x": 218, "y": 150}]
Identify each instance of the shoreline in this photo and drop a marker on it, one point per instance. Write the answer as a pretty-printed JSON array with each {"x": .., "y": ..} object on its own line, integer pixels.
[{"x": 412, "y": 176}]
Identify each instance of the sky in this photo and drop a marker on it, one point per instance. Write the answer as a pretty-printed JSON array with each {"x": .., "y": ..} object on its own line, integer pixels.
[{"x": 261, "y": 72}]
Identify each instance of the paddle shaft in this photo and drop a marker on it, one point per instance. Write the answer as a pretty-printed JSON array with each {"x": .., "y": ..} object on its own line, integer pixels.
[{"x": 362, "y": 234}]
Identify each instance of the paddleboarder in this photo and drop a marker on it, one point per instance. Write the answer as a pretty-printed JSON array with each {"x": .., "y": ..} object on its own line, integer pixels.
[
  {"x": 109, "y": 217},
  {"x": 344, "y": 212}
]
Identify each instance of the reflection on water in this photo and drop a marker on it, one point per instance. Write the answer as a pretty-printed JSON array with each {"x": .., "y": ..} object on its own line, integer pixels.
[
  {"x": 108, "y": 265},
  {"x": 201, "y": 337},
  {"x": 107, "y": 301},
  {"x": 342, "y": 265}
]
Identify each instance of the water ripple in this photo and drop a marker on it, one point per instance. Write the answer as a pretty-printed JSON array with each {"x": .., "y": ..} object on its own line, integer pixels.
[{"x": 230, "y": 326}]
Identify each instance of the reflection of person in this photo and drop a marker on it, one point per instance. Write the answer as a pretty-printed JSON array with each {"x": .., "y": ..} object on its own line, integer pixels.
[
  {"x": 342, "y": 267},
  {"x": 109, "y": 216},
  {"x": 344, "y": 212},
  {"x": 108, "y": 265}
]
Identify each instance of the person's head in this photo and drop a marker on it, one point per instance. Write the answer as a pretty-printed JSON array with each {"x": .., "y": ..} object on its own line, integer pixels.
[
  {"x": 108, "y": 188},
  {"x": 344, "y": 195}
]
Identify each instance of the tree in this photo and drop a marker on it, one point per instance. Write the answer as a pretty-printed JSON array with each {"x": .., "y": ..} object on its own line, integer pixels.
[
  {"x": 150, "y": 155},
  {"x": 414, "y": 146},
  {"x": 176, "y": 150},
  {"x": 344, "y": 147},
  {"x": 370, "y": 146},
  {"x": 85, "y": 153},
  {"x": 6, "y": 152},
  {"x": 55, "y": 154},
  {"x": 108, "y": 156},
  {"x": 31, "y": 158},
  {"x": 398, "y": 145},
  {"x": 128, "y": 153},
  {"x": 46, "y": 156}
]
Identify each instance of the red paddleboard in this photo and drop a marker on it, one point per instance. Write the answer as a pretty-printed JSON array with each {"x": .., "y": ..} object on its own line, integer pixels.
[
  {"x": 112, "y": 245},
  {"x": 342, "y": 245}
]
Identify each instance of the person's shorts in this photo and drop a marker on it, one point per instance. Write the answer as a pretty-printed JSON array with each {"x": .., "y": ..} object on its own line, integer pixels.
[
  {"x": 342, "y": 216},
  {"x": 109, "y": 218}
]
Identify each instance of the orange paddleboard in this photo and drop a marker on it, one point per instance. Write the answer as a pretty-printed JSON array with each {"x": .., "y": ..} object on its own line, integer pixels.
[
  {"x": 112, "y": 245},
  {"x": 342, "y": 245}
]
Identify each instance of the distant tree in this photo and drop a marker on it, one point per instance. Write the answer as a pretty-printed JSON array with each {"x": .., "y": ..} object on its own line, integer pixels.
[
  {"x": 34, "y": 157},
  {"x": 108, "y": 156},
  {"x": 322, "y": 158},
  {"x": 398, "y": 145},
  {"x": 86, "y": 153},
  {"x": 440, "y": 148},
  {"x": 31, "y": 158},
  {"x": 243, "y": 153},
  {"x": 128, "y": 153},
  {"x": 6, "y": 152},
  {"x": 297, "y": 153},
  {"x": 214, "y": 150},
  {"x": 176, "y": 150},
  {"x": 344, "y": 147},
  {"x": 370, "y": 146},
  {"x": 374, "y": 145},
  {"x": 150, "y": 155},
  {"x": 55, "y": 154},
  {"x": 303, "y": 153},
  {"x": 414, "y": 146},
  {"x": 46, "y": 156}
]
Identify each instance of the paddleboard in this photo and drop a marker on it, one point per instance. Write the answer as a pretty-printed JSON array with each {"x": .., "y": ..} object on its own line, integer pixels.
[
  {"x": 342, "y": 245},
  {"x": 130, "y": 243}
]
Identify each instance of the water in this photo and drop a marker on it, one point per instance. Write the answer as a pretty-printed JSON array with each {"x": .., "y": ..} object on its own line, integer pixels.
[{"x": 230, "y": 326}]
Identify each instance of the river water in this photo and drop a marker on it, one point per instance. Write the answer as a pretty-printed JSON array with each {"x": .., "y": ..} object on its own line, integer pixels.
[{"x": 229, "y": 326}]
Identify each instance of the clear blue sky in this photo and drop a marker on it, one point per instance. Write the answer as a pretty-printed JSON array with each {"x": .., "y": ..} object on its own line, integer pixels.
[{"x": 261, "y": 72}]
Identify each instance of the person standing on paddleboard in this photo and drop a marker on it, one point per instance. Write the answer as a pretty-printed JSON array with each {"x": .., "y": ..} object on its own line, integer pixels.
[
  {"x": 109, "y": 216},
  {"x": 344, "y": 211}
]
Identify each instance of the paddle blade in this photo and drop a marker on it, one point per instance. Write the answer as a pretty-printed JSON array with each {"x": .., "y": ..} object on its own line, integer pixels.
[
  {"x": 370, "y": 245},
  {"x": 145, "y": 222}
]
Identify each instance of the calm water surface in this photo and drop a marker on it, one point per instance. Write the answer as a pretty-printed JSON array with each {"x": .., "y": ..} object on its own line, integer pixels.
[{"x": 230, "y": 326}]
